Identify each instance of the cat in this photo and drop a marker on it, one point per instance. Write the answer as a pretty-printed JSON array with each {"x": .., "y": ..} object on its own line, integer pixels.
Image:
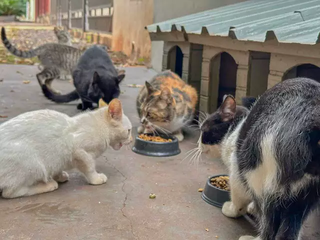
[
  {"x": 94, "y": 77},
  {"x": 272, "y": 152},
  {"x": 56, "y": 59},
  {"x": 166, "y": 104},
  {"x": 38, "y": 147},
  {"x": 63, "y": 36}
]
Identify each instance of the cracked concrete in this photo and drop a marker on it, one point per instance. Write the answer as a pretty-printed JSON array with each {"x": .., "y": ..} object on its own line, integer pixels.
[{"x": 121, "y": 208}]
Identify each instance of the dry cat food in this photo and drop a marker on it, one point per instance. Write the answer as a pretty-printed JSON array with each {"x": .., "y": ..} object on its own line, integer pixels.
[
  {"x": 153, "y": 138},
  {"x": 221, "y": 182}
]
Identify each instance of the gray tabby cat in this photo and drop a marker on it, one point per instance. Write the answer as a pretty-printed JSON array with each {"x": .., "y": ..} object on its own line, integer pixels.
[
  {"x": 63, "y": 36},
  {"x": 57, "y": 59}
]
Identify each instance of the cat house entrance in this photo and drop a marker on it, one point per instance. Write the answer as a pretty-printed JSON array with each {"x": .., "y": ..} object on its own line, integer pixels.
[
  {"x": 222, "y": 77},
  {"x": 304, "y": 70},
  {"x": 175, "y": 60}
]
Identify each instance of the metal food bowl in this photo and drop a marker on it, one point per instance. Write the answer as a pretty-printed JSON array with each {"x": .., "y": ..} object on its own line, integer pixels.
[
  {"x": 157, "y": 149},
  {"x": 213, "y": 195}
]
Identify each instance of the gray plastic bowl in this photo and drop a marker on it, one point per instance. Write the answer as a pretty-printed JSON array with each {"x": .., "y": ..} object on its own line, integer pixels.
[
  {"x": 213, "y": 195},
  {"x": 157, "y": 149}
]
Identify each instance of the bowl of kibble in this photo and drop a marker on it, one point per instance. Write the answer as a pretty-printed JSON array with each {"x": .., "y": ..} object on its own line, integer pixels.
[
  {"x": 156, "y": 145},
  {"x": 217, "y": 190}
]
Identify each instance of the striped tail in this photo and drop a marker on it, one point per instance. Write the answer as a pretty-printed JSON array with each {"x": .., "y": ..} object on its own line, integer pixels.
[{"x": 14, "y": 50}]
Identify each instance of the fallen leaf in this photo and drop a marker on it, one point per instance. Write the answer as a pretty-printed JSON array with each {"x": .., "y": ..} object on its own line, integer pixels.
[
  {"x": 152, "y": 196},
  {"x": 135, "y": 85},
  {"x": 1, "y": 116},
  {"x": 20, "y": 72},
  {"x": 26, "y": 82}
]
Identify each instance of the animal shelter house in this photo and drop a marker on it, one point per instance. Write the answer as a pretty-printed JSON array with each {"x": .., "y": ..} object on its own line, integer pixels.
[{"x": 242, "y": 49}]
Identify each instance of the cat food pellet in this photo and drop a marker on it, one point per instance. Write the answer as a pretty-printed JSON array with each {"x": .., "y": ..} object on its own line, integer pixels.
[
  {"x": 207, "y": 229},
  {"x": 153, "y": 138},
  {"x": 152, "y": 196},
  {"x": 200, "y": 190},
  {"x": 221, "y": 182}
]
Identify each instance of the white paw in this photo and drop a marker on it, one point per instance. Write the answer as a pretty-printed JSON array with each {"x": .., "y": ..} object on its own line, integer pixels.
[
  {"x": 230, "y": 210},
  {"x": 63, "y": 177},
  {"x": 251, "y": 209},
  {"x": 179, "y": 136},
  {"x": 98, "y": 179},
  {"x": 246, "y": 238},
  {"x": 52, "y": 185},
  {"x": 140, "y": 129}
]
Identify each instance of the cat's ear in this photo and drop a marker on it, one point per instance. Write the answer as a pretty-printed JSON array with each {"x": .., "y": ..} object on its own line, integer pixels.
[
  {"x": 102, "y": 103},
  {"x": 121, "y": 75},
  {"x": 166, "y": 94},
  {"x": 149, "y": 88},
  {"x": 96, "y": 78},
  {"x": 115, "y": 109},
  {"x": 228, "y": 108}
]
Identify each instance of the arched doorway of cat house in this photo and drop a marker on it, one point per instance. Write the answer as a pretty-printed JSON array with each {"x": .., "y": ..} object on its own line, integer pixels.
[
  {"x": 222, "y": 79},
  {"x": 304, "y": 70},
  {"x": 175, "y": 60}
]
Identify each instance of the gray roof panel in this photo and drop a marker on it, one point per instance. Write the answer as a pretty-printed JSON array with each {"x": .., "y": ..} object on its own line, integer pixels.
[{"x": 291, "y": 21}]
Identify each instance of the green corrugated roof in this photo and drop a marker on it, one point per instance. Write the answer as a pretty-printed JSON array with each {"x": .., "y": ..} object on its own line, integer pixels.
[{"x": 290, "y": 21}]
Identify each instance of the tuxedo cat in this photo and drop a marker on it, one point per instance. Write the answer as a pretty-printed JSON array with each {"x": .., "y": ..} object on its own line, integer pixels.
[{"x": 272, "y": 152}]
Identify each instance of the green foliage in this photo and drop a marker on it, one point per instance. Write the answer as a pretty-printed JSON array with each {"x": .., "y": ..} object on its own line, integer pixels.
[{"x": 12, "y": 7}]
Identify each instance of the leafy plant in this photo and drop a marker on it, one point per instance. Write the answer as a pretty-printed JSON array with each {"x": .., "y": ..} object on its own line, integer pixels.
[{"x": 12, "y": 7}]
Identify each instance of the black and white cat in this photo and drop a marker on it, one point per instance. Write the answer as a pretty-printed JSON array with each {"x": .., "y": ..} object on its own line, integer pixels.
[{"x": 272, "y": 152}]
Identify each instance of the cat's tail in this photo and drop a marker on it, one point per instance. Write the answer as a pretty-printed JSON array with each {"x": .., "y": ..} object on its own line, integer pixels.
[
  {"x": 72, "y": 96},
  {"x": 13, "y": 49}
]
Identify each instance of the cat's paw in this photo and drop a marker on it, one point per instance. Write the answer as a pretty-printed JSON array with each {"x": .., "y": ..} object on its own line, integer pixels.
[
  {"x": 79, "y": 106},
  {"x": 140, "y": 129},
  {"x": 230, "y": 210},
  {"x": 251, "y": 209},
  {"x": 179, "y": 136},
  {"x": 98, "y": 179},
  {"x": 62, "y": 177},
  {"x": 51, "y": 186},
  {"x": 57, "y": 92}
]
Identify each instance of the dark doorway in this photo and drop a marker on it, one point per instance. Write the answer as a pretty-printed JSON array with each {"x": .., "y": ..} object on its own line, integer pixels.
[
  {"x": 175, "y": 60},
  {"x": 223, "y": 79},
  {"x": 304, "y": 70}
]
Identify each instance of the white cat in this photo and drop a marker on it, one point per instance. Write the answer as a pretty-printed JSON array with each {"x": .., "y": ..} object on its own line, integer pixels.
[{"x": 37, "y": 147}]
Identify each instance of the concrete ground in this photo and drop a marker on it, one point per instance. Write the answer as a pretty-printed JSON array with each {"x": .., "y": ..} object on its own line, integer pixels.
[{"x": 121, "y": 208}]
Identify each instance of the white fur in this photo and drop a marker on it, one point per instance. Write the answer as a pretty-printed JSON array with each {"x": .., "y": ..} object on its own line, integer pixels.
[
  {"x": 36, "y": 147},
  {"x": 264, "y": 177}
]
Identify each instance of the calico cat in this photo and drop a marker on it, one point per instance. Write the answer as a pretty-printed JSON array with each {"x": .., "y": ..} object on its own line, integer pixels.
[
  {"x": 56, "y": 59},
  {"x": 38, "y": 147},
  {"x": 63, "y": 36},
  {"x": 273, "y": 156},
  {"x": 94, "y": 77},
  {"x": 166, "y": 104}
]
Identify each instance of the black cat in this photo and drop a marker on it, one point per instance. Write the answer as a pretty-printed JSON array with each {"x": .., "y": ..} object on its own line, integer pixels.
[{"x": 94, "y": 77}]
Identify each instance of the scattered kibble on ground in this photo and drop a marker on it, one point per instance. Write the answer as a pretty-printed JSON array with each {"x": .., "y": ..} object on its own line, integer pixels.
[
  {"x": 200, "y": 190},
  {"x": 221, "y": 182},
  {"x": 152, "y": 196},
  {"x": 153, "y": 138},
  {"x": 207, "y": 229}
]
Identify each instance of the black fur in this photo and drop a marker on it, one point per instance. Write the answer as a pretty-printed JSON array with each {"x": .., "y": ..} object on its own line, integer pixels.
[
  {"x": 94, "y": 77},
  {"x": 290, "y": 113}
]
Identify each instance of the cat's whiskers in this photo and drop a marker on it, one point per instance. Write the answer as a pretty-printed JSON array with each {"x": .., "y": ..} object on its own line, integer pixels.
[{"x": 189, "y": 153}]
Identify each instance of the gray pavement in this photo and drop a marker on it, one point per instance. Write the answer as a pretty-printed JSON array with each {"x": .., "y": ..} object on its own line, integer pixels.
[{"x": 121, "y": 208}]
